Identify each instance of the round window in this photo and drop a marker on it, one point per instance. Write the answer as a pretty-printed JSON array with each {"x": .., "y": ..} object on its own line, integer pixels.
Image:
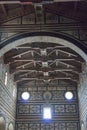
[
  {"x": 68, "y": 95},
  {"x": 25, "y": 95}
]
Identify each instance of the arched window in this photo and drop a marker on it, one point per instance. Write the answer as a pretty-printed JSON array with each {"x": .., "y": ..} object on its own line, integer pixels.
[{"x": 6, "y": 77}]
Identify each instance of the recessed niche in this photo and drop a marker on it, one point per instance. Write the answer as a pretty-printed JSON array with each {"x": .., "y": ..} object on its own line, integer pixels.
[{"x": 2, "y": 123}]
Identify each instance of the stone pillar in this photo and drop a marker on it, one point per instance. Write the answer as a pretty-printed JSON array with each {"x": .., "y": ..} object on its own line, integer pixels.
[
  {"x": 7, "y": 96},
  {"x": 82, "y": 96}
]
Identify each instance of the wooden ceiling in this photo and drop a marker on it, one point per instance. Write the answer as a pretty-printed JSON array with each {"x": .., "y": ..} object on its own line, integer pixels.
[
  {"x": 44, "y": 62},
  {"x": 74, "y": 9}
]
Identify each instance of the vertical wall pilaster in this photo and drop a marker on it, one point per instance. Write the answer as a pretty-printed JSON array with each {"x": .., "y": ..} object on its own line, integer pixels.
[
  {"x": 7, "y": 96},
  {"x": 82, "y": 94}
]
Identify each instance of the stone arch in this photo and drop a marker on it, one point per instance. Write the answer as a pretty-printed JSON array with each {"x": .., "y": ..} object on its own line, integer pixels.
[
  {"x": 2, "y": 123},
  {"x": 50, "y": 37}
]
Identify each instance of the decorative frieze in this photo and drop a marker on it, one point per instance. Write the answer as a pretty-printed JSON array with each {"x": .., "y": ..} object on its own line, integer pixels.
[
  {"x": 41, "y": 95},
  {"x": 64, "y": 109},
  {"x": 48, "y": 126},
  {"x": 64, "y": 112}
]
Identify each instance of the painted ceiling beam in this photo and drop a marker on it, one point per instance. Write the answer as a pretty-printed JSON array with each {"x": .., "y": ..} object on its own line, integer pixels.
[
  {"x": 34, "y": 70},
  {"x": 10, "y": 2},
  {"x": 27, "y": 27},
  {"x": 59, "y": 78},
  {"x": 27, "y": 2},
  {"x": 4, "y": 9},
  {"x": 66, "y": 0}
]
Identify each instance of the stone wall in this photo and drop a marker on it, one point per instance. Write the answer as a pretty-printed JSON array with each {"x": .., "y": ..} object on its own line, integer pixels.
[
  {"x": 7, "y": 95},
  {"x": 82, "y": 94},
  {"x": 65, "y": 114}
]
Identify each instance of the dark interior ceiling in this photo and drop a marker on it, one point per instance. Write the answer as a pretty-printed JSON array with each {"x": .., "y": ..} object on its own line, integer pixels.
[
  {"x": 75, "y": 9},
  {"x": 44, "y": 62}
]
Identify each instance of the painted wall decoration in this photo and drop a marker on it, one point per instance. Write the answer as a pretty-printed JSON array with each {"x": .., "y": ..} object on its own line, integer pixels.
[{"x": 65, "y": 114}]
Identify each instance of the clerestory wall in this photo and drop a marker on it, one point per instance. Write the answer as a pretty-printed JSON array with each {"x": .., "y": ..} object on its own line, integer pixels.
[{"x": 65, "y": 114}]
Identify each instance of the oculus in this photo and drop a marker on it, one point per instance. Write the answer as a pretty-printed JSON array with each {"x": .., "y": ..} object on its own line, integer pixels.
[
  {"x": 25, "y": 95},
  {"x": 69, "y": 95}
]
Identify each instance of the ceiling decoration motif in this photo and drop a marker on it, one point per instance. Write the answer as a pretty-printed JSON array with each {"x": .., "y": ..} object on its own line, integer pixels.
[
  {"x": 42, "y": 61},
  {"x": 13, "y": 9},
  {"x": 45, "y": 62}
]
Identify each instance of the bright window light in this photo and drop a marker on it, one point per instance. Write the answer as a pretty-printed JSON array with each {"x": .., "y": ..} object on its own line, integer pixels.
[
  {"x": 13, "y": 92},
  {"x": 47, "y": 113},
  {"x": 25, "y": 95},
  {"x": 6, "y": 76},
  {"x": 69, "y": 95}
]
